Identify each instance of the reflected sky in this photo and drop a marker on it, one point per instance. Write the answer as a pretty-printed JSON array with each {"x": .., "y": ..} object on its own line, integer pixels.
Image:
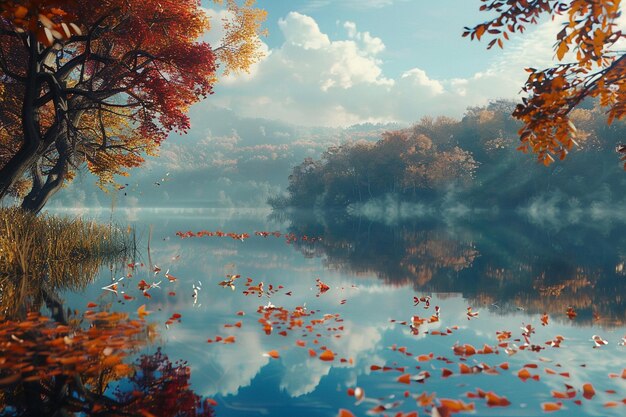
[{"x": 510, "y": 272}]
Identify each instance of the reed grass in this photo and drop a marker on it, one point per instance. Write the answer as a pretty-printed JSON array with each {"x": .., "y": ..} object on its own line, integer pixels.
[{"x": 55, "y": 247}]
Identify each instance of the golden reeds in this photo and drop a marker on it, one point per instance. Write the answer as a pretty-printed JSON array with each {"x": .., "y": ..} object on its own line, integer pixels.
[{"x": 60, "y": 252}]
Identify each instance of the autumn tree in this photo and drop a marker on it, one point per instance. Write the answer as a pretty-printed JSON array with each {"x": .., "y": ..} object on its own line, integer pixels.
[
  {"x": 590, "y": 66},
  {"x": 104, "y": 83},
  {"x": 405, "y": 163}
]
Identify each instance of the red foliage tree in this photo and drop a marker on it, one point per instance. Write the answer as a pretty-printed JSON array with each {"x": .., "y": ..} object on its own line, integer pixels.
[
  {"x": 74, "y": 67},
  {"x": 161, "y": 388}
]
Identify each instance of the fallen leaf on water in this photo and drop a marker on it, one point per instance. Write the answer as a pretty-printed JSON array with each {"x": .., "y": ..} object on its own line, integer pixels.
[
  {"x": 571, "y": 313},
  {"x": 141, "y": 311},
  {"x": 494, "y": 400},
  {"x": 471, "y": 314},
  {"x": 523, "y": 374},
  {"x": 564, "y": 395},
  {"x": 425, "y": 400},
  {"x": 598, "y": 341},
  {"x": 322, "y": 287},
  {"x": 327, "y": 355},
  {"x": 404, "y": 379},
  {"x": 272, "y": 354},
  {"x": 456, "y": 406},
  {"x": 588, "y": 391},
  {"x": 549, "y": 407}
]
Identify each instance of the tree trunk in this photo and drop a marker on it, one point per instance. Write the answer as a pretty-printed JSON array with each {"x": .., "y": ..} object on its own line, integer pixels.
[
  {"x": 28, "y": 152},
  {"x": 35, "y": 202},
  {"x": 17, "y": 166},
  {"x": 41, "y": 192}
]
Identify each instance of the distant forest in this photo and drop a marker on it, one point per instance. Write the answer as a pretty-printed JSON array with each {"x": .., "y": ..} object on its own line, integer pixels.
[{"x": 475, "y": 159}]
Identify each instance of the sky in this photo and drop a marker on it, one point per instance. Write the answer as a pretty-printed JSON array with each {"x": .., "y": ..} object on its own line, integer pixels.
[{"x": 342, "y": 62}]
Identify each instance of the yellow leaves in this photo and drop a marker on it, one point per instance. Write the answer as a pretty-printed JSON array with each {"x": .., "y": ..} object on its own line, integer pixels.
[
  {"x": 240, "y": 46},
  {"x": 111, "y": 145}
]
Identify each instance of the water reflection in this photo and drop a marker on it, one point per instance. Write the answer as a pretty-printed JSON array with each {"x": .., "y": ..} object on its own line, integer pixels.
[
  {"x": 67, "y": 362},
  {"x": 29, "y": 292},
  {"x": 508, "y": 271},
  {"x": 506, "y": 264}
]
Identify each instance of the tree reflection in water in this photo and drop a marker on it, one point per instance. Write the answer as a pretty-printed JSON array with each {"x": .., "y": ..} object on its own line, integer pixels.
[
  {"x": 71, "y": 363},
  {"x": 504, "y": 263}
]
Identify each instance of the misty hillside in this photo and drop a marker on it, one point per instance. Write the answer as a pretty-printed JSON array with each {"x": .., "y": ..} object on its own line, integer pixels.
[
  {"x": 225, "y": 161},
  {"x": 443, "y": 164}
]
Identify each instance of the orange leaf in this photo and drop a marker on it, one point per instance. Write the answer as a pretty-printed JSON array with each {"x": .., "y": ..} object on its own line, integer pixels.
[
  {"x": 327, "y": 355},
  {"x": 404, "y": 379},
  {"x": 141, "y": 311},
  {"x": 494, "y": 400},
  {"x": 456, "y": 405},
  {"x": 273, "y": 354},
  {"x": 523, "y": 374},
  {"x": 464, "y": 369},
  {"x": 548, "y": 407},
  {"x": 588, "y": 391}
]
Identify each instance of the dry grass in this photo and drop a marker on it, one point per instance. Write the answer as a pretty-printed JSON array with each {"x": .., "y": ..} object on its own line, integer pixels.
[
  {"x": 54, "y": 247},
  {"x": 62, "y": 252}
]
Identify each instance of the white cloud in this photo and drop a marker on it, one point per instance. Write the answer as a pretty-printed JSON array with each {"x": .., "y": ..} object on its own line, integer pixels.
[
  {"x": 303, "y": 31},
  {"x": 313, "y": 80},
  {"x": 371, "y": 44}
]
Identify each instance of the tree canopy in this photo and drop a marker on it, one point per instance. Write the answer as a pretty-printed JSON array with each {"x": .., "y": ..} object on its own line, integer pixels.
[
  {"x": 591, "y": 66},
  {"x": 472, "y": 161},
  {"x": 104, "y": 83}
]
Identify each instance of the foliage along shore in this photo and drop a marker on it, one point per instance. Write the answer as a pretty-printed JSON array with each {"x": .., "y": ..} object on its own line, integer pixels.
[{"x": 473, "y": 161}]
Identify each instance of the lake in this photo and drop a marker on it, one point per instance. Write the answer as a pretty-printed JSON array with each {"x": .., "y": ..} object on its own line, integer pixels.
[{"x": 412, "y": 315}]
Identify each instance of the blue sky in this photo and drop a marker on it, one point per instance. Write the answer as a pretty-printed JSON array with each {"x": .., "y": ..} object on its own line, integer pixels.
[
  {"x": 342, "y": 62},
  {"x": 416, "y": 33}
]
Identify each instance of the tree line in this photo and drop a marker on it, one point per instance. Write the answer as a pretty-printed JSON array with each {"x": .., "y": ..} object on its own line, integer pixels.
[{"x": 474, "y": 158}]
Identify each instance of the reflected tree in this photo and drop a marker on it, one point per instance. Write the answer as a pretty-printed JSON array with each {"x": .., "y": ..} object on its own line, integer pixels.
[{"x": 503, "y": 265}]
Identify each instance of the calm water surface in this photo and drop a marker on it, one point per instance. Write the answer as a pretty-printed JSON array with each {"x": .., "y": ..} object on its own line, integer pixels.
[{"x": 508, "y": 271}]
